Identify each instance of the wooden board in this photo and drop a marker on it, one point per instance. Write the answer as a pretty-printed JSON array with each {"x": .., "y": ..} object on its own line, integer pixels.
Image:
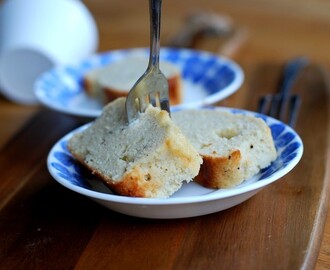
[{"x": 45, "y": 226}]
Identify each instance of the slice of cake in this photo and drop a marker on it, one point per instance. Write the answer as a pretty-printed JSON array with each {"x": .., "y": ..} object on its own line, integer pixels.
[
  {"x": 115, "y": 80},
  {"x": 148, "y": 158},
  {"x": 234, "y": 147}
]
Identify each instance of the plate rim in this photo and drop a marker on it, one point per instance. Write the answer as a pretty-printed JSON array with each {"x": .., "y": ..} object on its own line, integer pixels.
[
  {"x": 213, "y": 196},
  {"x": 86, "y": 112}
]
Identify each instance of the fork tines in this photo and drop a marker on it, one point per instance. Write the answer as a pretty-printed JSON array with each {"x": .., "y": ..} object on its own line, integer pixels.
[
  {"x": 282, "y": 107},
  {"x": 136, "y": 103},
  {"x": 158, "y": 99}
]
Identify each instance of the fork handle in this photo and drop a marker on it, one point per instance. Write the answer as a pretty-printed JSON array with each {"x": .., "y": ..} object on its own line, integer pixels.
[
  {"x": 155, "y": 7},
  {"x": 290, "y": 73}
]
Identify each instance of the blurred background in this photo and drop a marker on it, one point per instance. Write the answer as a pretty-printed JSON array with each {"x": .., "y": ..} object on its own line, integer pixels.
[{"x": 305, "y": 22}]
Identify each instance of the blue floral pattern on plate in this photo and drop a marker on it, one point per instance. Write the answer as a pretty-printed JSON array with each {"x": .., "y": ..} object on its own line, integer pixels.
[
  {"x": 192, "y": 199},
  {"x": 68, "y": 168},
  {"x": 207, "y": 78}
]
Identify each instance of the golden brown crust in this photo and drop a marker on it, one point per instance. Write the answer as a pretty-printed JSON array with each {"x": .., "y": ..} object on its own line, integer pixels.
[
  {"x": 130, "y": 185},
  {"x": 175, "y": 89},
  {"x": 220, "y": 172},
  {"x": 88, "y": 86},
  {"x": 137, "y": 184},
  {"x": 133, "y": 184}
]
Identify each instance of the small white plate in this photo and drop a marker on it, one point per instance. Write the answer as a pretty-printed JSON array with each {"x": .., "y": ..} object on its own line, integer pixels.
[
  {"x": 192, "y": 199},
  {"x": 207, "y": 78}
]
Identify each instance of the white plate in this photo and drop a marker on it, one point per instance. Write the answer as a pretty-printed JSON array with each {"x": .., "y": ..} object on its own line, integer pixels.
[
  {"x": 207, "y": 78},
  {"x": 192, "y": 199}
]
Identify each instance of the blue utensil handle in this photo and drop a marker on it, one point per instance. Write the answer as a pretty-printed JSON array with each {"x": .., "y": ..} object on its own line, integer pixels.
[{"x": 290, "y": 74}]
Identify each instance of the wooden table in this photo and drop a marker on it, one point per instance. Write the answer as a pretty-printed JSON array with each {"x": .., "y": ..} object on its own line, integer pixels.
[{"x": 285, "y": 226}]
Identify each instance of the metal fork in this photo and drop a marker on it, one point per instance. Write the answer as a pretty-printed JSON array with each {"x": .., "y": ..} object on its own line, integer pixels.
[
  {"x": 152, "y": 87},
  {"x": 284, "y": 105}
]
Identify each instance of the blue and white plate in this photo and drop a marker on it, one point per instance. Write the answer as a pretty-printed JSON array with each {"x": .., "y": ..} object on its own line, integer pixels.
[
  {"x": 207, "y": 78},
  {"x": 192, "y": 199}
]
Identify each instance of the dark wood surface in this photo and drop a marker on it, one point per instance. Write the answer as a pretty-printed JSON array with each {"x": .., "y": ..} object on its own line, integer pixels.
[{"x": 45, "y": 226}]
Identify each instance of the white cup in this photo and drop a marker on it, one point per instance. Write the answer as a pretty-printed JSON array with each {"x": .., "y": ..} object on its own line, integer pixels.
[{"x": 36, "y": 35}]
